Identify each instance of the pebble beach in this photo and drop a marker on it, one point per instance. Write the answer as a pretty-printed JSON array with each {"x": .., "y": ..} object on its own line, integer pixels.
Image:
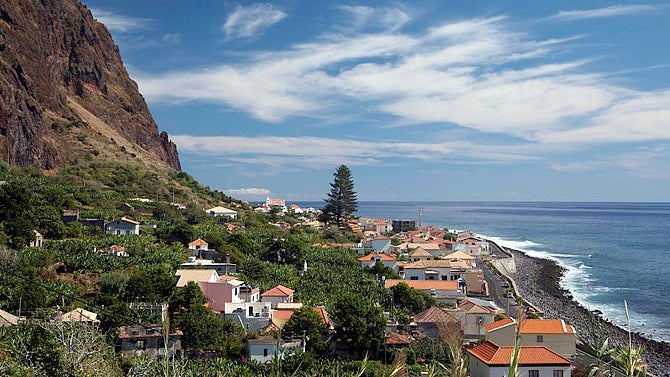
[{"x": 538, "y": 281}]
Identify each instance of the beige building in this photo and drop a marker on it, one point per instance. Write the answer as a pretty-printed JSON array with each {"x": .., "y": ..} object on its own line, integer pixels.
[{"x": 554, "y": 334}]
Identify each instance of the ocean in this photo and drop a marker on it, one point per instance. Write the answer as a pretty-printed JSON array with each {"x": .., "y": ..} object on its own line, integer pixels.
[{"x": 611, "y": 251}]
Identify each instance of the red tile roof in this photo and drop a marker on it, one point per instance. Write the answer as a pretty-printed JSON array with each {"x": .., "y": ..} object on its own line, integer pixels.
[
  {"x": 278, "y": 291},
  {"x": 373, "y": 256},
  {"x": 492, "y": 354}
]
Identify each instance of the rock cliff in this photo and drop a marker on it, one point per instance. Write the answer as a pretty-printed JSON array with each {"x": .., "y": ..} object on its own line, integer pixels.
[{"x": 65, "y": 94}]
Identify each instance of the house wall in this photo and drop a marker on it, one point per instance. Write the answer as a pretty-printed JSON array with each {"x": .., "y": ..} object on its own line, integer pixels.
[
  {"x": 503, "y": 336},
  {"x": 154, "y": 346},
  {"x": 219, "y": 293},
  {"x": 562, "y": 344},
  {"x": 480, "y": 369},
  {"x": 122, "y": 227},
  {"x": 472, "y": 328},
  {"x": 276, "y": 300},
  {"x": 262, "y": 352}
]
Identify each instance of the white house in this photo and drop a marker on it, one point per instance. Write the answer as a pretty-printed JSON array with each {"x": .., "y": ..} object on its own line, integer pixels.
[
  {"x": 122, "y": 226},
  {"x": 490, "y": 360},
  {"x": 371, "y": 259},
  {"x": 554, "y": 334},
  {"x": 219, "y": 211},
  {"x": 264, "y": 348}
]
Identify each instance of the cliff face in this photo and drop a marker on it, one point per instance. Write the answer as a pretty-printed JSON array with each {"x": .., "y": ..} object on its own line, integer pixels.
[{"x": 65, "y": 94}]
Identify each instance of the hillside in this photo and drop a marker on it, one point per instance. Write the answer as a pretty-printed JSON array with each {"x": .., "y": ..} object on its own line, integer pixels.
[{"x": 65, "y": 96}]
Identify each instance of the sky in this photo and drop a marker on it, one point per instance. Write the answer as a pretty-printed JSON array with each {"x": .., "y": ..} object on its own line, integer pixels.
[{"x": 422, "y": 100}]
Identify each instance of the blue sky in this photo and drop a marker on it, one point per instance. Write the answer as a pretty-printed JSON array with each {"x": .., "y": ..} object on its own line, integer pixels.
[{"x": 423, "y": 100}]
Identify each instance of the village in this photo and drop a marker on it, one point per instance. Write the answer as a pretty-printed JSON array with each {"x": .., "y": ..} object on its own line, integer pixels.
[{"x": 447, "y": 267}]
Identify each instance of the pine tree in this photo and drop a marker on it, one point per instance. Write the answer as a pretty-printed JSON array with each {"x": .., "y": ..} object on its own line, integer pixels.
[{"x": 341, "y": 202}]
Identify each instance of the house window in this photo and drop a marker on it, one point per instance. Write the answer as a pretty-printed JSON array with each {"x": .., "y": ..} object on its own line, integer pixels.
[
  {"x": 265, "y": 352},
  {"x": 445, "y": 277},
  {"x": 414, "y": 278},
  {"x": 558, "y": 373},
  {"x": 540, "y": 338},
  {"x": 140, "y": 345},
  {"x": 533, "y": 373}
]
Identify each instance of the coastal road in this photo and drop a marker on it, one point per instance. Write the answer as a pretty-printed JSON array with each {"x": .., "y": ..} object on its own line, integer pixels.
[{"x": 498, "y": 291}]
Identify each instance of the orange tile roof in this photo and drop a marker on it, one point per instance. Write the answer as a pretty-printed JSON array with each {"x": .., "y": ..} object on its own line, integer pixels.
[
  {"x": 323, "y": 313},
  {"x": 282, "y": 314},
  {"x": 372, "y": 256},
  {"x": 449, "y": 285},
  {"x": 535, "y": 326},
  {"x": 499, "y": 324},
  {"x": 546, "y": 326},
  {"x": 198, "y": 242},
  {"x": 395, "y": 339},
  {"x": 492, "y": 355},
  {"x": 278, "y": 291}
]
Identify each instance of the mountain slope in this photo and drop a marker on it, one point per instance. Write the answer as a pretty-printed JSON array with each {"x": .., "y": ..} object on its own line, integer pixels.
[{"x": 65, "y": 94}]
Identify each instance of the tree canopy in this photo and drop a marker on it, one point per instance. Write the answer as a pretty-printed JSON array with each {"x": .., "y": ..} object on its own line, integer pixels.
[{"x": 341, "y": 202}]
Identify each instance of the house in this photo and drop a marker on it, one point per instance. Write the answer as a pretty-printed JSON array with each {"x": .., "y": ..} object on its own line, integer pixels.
[
  {"x": 436, "y": 322},
  {"x": 186, "y": 276},
  {"x": 380, "y": 245},
  {"x": 224, "y": 290},
  {"x": 38, "y": 241},
  {"x": 490, "y": 360},
  {"x": 431, "y": 247},
  {"x": 70, "y": 215},
  {"x": 122, "y": 226},
  {"x": 219, "y": 211},
  {"x": 461, "y": 256},
  {"x": 395, "y": 340},
  {"x": 476, "y": 316},
  {"x": 420, "y": 254},
  {"x": 278, "y": 294},
  {"x": 441, "y": 269},
  {"x": 253, "y": 316},
  {"x": 446, "y": 291},
  {"x": 126, "y": 208},
  {"x": 554, "y": 334},
  {"x": 402, "y": 225},
  {"x": 473, "y": 245},
  {"x": 264, "y": 348},
  {"x": 8, "y": 319},
  {"x": 208, "y": 264},
  {"x": 371, "y": 260},
  {"x": 114, "y": 250},
  {"x": 198, "y": 244},
  {"x": 382, "y": 227},
  {"x": 281, "y": 316},
  {"x": 275, "y": 203},
  {"x": 150, "y": 339},
  {"x": 80, "y": 315}
]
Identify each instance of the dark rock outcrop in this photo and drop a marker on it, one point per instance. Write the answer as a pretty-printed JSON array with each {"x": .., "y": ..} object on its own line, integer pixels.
[{"x": 64, "y": 92}]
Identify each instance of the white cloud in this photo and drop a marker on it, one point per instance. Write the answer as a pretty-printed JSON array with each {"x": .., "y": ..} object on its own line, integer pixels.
[
  {"x": 370, "y": 18},
  {"x": 248, "y": 192},
  {"x": 611, "y": 11},
  {"x": 120, "y": 23},
  {"x": 248, "y": 21},
  {"x": 315, "y": 152},
  {"x": 479, "y": 74}
]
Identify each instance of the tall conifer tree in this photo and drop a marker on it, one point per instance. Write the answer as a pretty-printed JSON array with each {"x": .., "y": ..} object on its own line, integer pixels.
[{"x": 341, "y": 202}]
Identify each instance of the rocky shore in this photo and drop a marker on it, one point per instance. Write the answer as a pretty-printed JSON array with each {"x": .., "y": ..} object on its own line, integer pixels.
[{"x": 538, "y": 281}]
